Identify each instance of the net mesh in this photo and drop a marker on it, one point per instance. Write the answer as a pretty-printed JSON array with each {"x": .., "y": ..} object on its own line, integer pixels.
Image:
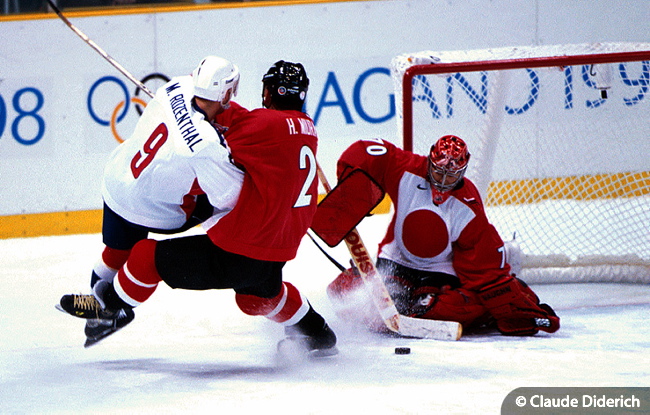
[{"x": 560, "y": 153}]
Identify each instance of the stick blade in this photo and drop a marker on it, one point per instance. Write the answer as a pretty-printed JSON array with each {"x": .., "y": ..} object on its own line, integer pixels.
[{"x": 429, "y": 329}]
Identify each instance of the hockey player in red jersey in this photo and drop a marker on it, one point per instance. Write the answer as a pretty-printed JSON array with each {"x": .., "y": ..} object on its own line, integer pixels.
[
  {"x": 441, "y": 257},
  {"x": 246, "y": 248}
]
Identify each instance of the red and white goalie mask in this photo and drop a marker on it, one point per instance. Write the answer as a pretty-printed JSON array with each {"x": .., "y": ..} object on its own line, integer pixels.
[{"x": 448, "y": 160}]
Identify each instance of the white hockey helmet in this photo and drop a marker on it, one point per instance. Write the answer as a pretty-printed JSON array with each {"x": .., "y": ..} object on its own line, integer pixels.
[{"x": 214, "y": 77}]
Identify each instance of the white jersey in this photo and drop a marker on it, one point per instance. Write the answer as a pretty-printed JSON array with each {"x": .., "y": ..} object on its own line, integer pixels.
[{"x": 173, "y": 154}]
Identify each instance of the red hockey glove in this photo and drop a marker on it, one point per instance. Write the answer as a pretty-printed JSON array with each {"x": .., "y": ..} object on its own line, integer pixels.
[
  {"x": 449, "y": 304},
  {"x": 516, "y": 308}
]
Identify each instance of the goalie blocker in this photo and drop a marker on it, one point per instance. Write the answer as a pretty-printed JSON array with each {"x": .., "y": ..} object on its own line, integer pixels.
[{"x": 345, "y": 206}]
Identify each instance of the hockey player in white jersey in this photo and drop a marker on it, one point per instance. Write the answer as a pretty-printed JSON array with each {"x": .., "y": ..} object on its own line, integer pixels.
[{"x": 174, "y": 172}]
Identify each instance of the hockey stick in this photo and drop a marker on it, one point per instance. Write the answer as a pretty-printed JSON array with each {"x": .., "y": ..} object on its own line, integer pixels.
[
  {"x": 99, "y": 50},
  {"x": 336, "y": 263},
  {"x": 395, "y": 322}
]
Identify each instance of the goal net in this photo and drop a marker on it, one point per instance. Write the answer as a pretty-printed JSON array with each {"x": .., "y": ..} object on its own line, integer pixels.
[{"x": 560, "y": 143}]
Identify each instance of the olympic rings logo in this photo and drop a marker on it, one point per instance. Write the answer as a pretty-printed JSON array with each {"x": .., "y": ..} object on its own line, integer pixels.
[{"x": 122, "y": 108}]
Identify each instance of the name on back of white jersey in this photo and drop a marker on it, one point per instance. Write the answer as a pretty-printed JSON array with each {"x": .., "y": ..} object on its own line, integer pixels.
[{"x": 183, "y": 118}]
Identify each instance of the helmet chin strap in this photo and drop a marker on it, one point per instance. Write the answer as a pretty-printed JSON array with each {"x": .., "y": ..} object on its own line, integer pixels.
[{"x": 267, "y": 102}]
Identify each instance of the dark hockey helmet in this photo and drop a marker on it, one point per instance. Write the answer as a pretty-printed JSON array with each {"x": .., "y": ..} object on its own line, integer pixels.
[
  {"x": 288, "y": 84},
  {"x": 448, "y": 161}
]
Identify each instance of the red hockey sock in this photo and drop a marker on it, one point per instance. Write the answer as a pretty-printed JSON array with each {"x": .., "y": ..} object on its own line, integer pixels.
[
  {"x": 138, "y": 278},
  {"x": 111, "y": 261},
  {"x": 286, "y": 308}
]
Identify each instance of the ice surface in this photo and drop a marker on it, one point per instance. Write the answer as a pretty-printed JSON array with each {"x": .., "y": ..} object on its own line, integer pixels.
[{"x": 195, "y": 352}]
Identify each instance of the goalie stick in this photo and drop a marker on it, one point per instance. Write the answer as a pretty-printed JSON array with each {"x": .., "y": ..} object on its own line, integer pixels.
[
  {"x": 395, "y": 322},
  {"x": 99, "y": 50}
]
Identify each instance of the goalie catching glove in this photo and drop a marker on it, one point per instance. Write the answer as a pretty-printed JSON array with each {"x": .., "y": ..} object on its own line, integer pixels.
[{"x": 516, "y": 308}]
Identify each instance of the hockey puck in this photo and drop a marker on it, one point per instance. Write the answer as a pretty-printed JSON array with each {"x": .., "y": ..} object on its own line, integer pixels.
[{"x": 402, "y": 350}]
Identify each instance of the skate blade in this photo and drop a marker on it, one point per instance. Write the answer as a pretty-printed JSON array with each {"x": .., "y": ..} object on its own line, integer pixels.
[
  {"x": 95, "y": 338},
  {"x": 91, "y": 341},
  {"x": 294, "y": 352},
  {"x": 320, "y": 353}
]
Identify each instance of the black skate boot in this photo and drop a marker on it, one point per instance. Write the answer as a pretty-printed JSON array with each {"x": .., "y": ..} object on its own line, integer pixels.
[
  {"x": 313, "y": 335},
  {"x": 98, "y": 328},
  {"x": 84, "y": 306},
  {"x": 105, "y": 311}
]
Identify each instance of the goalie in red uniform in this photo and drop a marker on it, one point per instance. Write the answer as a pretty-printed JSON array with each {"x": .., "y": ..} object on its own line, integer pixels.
[{"x": 440, "y": 257}]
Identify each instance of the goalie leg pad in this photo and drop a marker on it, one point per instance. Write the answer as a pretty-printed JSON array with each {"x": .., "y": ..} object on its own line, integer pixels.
[
  {"x": 346, "y": 282},
  {"x": 517, "y": 308},
  {"x": 447, "y": 304},
  {"x": 352, "y": 302},
  {"x": 349, "y": 281}
]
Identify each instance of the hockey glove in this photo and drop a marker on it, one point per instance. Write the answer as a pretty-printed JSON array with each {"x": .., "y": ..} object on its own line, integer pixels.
[
  {"x": 449, "y": 304},
  {"x": 516, "y": 308}
]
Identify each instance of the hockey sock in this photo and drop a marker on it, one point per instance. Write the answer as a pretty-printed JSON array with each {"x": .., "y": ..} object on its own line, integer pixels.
[
  {"x": 138, "y": 278},
  {"x": 111, "y": 261},
  {"x": 286, "y": 308}
]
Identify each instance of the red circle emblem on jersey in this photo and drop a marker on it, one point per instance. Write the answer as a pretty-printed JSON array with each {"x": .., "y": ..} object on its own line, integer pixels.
[{"x": 424, "y": 233}]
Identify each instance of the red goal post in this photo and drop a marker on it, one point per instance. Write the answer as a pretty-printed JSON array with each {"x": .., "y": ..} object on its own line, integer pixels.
[{"x": 560, "y": 143}]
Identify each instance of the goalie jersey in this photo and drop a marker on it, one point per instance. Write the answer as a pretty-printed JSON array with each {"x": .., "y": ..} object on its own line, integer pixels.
[
  {"x": 174, "y": 154},
  {"x": 454, "y": 237}
]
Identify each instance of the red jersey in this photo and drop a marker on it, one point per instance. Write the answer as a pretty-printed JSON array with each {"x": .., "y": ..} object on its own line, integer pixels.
[
  {"x": 454, "y": 237},
  {"x": 277, "y": 150}
]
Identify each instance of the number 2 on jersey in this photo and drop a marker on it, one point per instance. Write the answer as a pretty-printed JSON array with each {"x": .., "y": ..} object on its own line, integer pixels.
[
  {"x": 149, "y": 150},
  {"x": 307, "y": 161}
]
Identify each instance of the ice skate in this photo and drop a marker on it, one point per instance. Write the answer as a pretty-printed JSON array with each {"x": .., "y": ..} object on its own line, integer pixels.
[
  {"x": 102, "y": 321},
  {"x": 84, "y": 306},
  {"x": 311, "y": 334},
  {"x": 98, "y": 329}
]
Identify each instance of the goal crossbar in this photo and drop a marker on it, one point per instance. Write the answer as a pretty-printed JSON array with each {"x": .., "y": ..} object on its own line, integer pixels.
[{"x": 528, "y": 63}]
